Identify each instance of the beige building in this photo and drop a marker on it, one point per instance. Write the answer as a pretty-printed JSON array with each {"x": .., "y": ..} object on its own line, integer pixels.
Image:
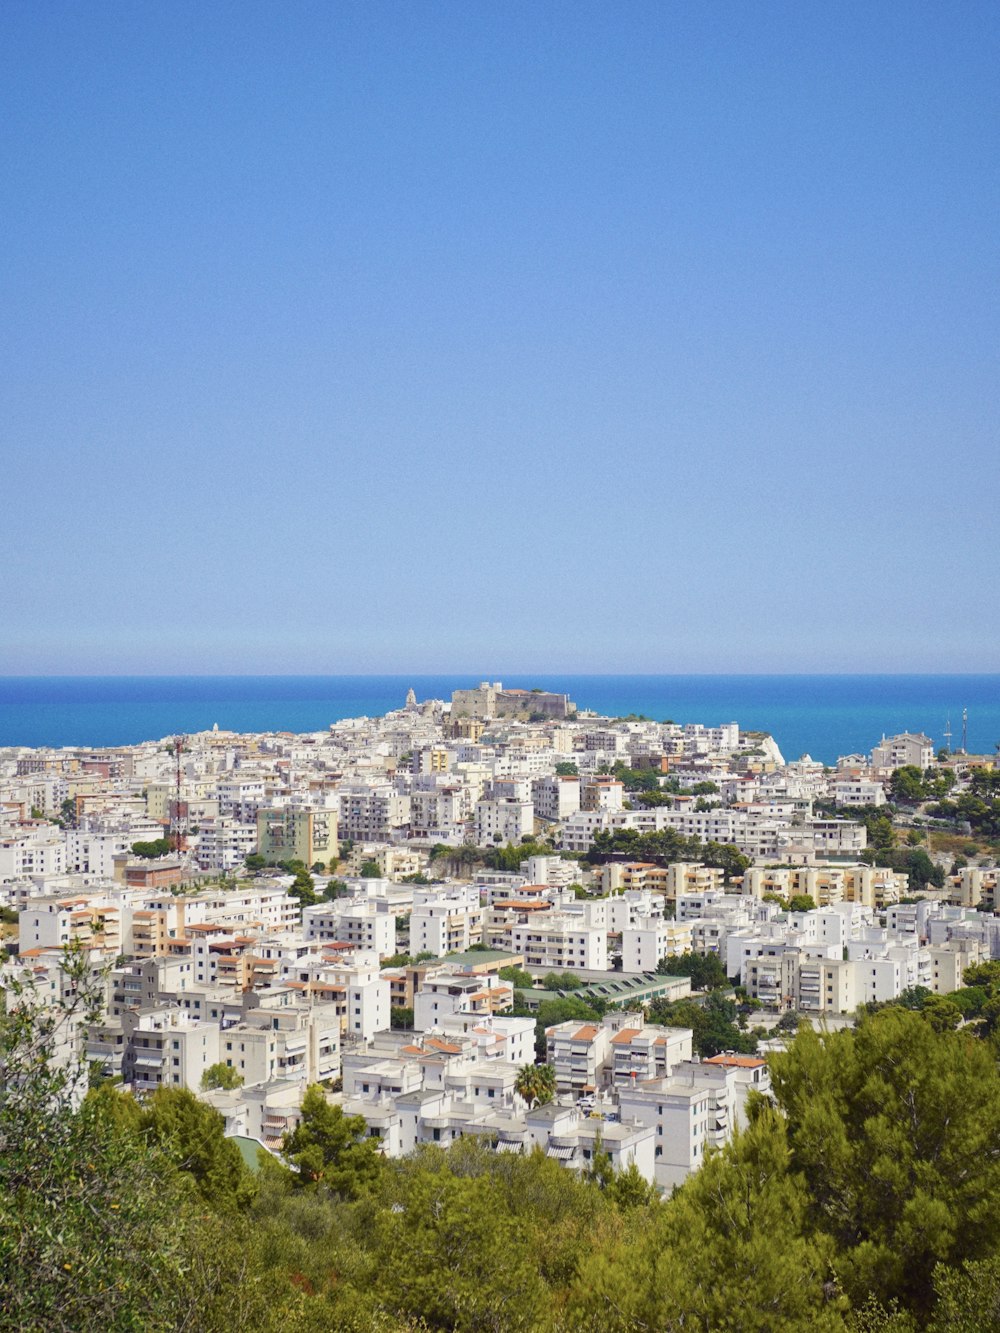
[
  {"x": 871, "y": 886},
  {"x": 308, "y": 836}
]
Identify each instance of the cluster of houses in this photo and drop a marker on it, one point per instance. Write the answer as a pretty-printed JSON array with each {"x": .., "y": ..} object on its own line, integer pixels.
[{"x": 386, "y": 982}]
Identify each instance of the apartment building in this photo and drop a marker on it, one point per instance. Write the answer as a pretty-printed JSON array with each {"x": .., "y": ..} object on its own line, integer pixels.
[
  {"x": 309, "y": 836},
  {"x": 871, "y": 886},
  {"x": 646, "y": 943},
  {"x": 33, "y": 850},
  {"x": 502, "y": 819},
  {"x": 555, "y": 797},
  {"x": 691, "y": 1110},
  {"x": 446, "y": 922},
  {"x": 373, "y": 814},
  {"x": 858, "y": 791},
  {"x": 644, "y": 1051},
  {"x": 224, "y": 844},
  {"x": 359, "y": 923},
  {"x": 90, "y": 920},
  {"x": 908, "y": 748},
  {"x": 558, "y": 941},
  {"x": 443, "y": 994}
]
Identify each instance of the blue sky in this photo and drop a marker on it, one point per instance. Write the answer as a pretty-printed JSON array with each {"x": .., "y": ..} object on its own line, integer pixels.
[{"x": 550, "y": 336}]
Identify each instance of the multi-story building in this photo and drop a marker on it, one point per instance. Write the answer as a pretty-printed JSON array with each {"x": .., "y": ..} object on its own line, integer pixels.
[
  {"x": 503, "y": 819},
  {"x": 559, "y": 941},
  {"x": 555, "y": 797},
  {"x": 357, "y": 923},
  {"x": 33, "y": 850},
  {"x": 645, "y": 944},
  {"x": 448, "y": 922},
  {"x": 309, "y": 836},
  {"x": 901, "y": 751},
  {"x": 373, "y": 814},
  {"x": 224, "y": 844}
]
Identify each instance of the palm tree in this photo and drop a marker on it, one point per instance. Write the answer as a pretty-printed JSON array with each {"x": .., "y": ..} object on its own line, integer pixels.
[{"x": 536, "y": 1084}]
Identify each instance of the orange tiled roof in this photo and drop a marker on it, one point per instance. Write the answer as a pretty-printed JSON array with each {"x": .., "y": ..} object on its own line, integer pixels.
[
  {"x": 624, "y": 1037},
  {"x": 736, "y": 1061},
  {"x": 449, "y": 1048}
]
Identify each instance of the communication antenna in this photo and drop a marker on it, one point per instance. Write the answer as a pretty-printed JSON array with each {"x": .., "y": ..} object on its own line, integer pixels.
[
  {"x": 947, "y": 734},
  {"x": 177, "y": 824},
  {"x": 965, "y": 731}
]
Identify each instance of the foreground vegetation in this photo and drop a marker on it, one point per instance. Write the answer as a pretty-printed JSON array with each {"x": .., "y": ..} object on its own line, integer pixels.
[{"x": 866, "y": 1197}]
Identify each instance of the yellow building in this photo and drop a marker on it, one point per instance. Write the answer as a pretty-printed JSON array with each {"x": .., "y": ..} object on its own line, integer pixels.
[{"x": 308, "y": 836}]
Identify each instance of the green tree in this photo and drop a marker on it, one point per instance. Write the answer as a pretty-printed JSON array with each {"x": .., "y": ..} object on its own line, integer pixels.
[
  {"x": 895, "y": 1128},
  {"x": 98, "y": 1229},
  {"x": 906, "y": 786},
  {"x": 370, "y": 870},
  {"x": 517, "y": 976},
  {"x": 730, "y": 1251},
  {"x": 536, "y": 1084},
  {"x": 705, "y": 970},
  {"x": 565, "y": 768},
  {"x": 801, "y": 902},
  {"x": 449, "y": 1253},
  {"x": 151, "y": 850},
  {"x": 943, "y": 1014},
  {"x": 401, "y": 1018},
  {"x": 303, "y": 887},
  {"x": 191, "y": 1134},
  {"x": 968, "y": 1299},
  {"x": 330, "y": 1147},
  {"x": 629, "y": 1189},
  {"x": 221, "y": 1076},
  {"x": 561, "y": 981},
  {"x": 713, "y": 1023}
]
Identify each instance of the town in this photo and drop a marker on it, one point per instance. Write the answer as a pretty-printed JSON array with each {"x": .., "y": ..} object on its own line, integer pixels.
[{"x": 486, "y": 918}]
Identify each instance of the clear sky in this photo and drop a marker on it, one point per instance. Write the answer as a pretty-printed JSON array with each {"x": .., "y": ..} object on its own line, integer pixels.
[{"x": 396, "y": 336}]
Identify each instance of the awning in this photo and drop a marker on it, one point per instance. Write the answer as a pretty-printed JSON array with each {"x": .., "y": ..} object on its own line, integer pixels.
[
  {"x": 505, "y": 1145},
  {"x": 562, "y": 1154}
]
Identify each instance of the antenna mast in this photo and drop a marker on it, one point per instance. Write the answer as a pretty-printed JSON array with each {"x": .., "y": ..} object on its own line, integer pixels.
[
  {"x": 947, "y": 734},
  {"x": 177, "y": 823},
  {"x": 965, "y": 731}
]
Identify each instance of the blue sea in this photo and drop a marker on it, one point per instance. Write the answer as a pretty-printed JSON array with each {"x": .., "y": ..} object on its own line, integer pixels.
[{"x": 824, "y": 716}]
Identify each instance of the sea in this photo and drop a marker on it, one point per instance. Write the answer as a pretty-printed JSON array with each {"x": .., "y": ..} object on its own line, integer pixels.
[{"x": 823, "y": 716}]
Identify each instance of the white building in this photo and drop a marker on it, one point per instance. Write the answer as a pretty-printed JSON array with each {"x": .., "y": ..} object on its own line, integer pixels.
[
  {"x": 908, "y": 748},
  {"x": 353, "y": 922},
  {"x": 555, "y": 797},
  {"x": 502, "y": 820},
  {"x": 559, "y": 941},
  {"x": 646, "y": 943}
]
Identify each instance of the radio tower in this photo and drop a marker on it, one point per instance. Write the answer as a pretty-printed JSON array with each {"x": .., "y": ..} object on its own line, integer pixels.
[
  {"x": 177, "y": 823},
  {"x": 965, "y": 731},
  {"x": 947, "y": 735}
]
